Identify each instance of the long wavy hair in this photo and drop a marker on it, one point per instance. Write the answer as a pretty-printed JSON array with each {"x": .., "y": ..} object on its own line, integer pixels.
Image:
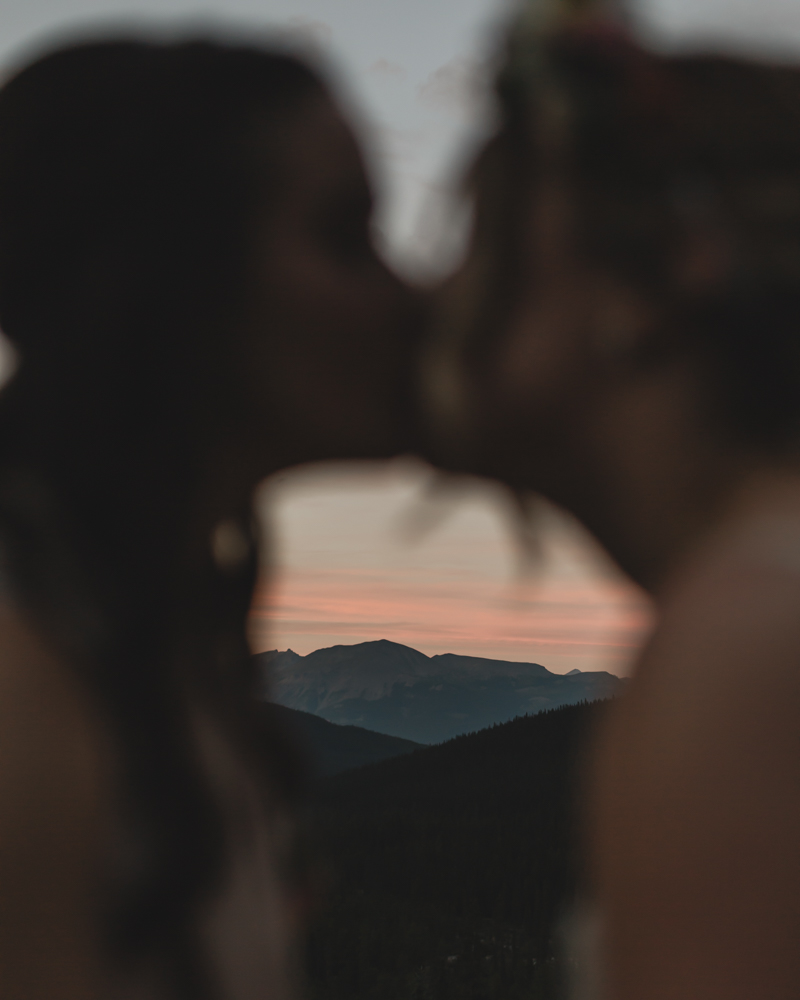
[
  {"x": 130, "y": 176},
  {"x": 666, "y": 152}
]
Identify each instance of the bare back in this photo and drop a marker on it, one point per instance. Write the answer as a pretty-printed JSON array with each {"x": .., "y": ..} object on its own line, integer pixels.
[{"x": 697, "y": 787}]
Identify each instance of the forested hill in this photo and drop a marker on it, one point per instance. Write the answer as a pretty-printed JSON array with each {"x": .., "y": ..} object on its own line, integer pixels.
[
  {"x": 329, "y": 748},
  {"x": 453, "y": 866}
]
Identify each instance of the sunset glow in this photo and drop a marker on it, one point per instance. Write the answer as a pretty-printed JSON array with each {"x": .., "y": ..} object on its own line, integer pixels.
[{"x": 346, "y": 574}]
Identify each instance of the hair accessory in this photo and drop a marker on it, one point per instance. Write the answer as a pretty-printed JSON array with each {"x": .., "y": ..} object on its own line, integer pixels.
[{"x": 540, "y": 20}]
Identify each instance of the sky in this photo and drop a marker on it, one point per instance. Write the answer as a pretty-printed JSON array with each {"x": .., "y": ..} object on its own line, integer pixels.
[
  {"x": 381, "y": 552},
  {"x": 383, "y": 555}
]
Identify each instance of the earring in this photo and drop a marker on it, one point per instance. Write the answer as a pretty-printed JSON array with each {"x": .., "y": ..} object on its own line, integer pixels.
[{"x": 231, "y": 546}]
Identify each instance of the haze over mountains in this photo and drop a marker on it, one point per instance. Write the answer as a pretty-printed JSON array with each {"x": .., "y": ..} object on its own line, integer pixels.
[{"x": 399, "y": 691}]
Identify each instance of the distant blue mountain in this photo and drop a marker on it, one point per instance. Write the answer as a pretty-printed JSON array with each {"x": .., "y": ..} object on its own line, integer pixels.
[{"x": 393, "y": 689}]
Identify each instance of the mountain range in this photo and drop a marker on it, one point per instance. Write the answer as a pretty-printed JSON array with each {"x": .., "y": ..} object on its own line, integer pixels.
[{"x": 398, "y": 691}]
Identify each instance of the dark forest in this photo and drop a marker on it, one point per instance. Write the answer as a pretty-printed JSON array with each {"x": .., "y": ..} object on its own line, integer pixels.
[{"x": 451, "y": 870}]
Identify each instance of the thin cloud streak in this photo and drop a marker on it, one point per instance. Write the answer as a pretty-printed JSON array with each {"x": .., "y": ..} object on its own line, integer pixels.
[{"x": 561, "y": 626}]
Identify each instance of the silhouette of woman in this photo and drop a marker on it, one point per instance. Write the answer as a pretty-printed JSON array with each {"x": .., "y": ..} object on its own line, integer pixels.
[
  {"x": 187, "y": 271},
  {"x": 623, "y": 337}
]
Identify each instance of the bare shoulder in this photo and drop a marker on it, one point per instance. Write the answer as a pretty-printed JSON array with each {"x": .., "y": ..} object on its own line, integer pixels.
[
  {"x": 727, "y": 644},
  {"x": 697, "y": 791},
  {"x": 53, "y": 818}
]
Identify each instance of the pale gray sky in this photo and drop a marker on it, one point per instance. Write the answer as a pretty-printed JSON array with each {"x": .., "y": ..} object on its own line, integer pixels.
[
  {"x": 413, "y": 66},
  {"x": 408, "y": 64},
  {"x": 412, "y": 73}
]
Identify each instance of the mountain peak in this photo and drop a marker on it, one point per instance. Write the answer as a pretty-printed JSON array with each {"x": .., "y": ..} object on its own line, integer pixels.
[
  {"x": 482, "y": 667},
  {"x": 384, "y": 644},
  {"x": 282, "y": 656}
]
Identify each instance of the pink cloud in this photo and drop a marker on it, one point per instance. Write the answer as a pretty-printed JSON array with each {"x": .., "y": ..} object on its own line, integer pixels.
[{"x": 562, "y": 625}]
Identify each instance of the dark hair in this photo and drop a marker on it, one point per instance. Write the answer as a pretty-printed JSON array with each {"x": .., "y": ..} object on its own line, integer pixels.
[
  {"x": 654, "y": 146},
  {"x": 130, "y": 175}
]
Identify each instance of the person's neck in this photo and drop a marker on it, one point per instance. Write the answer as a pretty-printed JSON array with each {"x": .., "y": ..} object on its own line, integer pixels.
[{"x": 661, "y": 475}]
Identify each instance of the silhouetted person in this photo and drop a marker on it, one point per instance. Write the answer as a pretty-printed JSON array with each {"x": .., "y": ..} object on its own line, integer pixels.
[
  {"x": 187, "y": 272},
  {"x": 624, "y": 337}
]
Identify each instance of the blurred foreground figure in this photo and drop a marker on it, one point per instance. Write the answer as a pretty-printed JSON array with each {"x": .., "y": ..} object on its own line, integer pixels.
[
  {"x": 624, "y": 337},
  {"x": 187, "y": 272}
]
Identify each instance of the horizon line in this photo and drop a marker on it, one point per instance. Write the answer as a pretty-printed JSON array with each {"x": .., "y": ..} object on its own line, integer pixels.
[{"x": 391, "y": 642}]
